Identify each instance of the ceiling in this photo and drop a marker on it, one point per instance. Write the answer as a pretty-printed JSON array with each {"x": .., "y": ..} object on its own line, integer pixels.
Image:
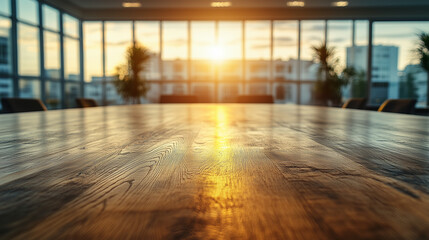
[
  {"x": 109, "y": 4},
  {"x": 244, "y": 9}
]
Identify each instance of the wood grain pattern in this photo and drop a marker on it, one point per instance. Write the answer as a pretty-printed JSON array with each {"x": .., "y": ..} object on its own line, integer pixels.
[{"x": 214, "y": 172}]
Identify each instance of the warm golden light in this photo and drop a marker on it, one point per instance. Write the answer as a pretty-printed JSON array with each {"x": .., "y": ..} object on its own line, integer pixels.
[
  {"x": 340, "y": 4},
  {"x": 217, "y": 53},
  {"x": 296, "y": 4},
  {"x": 221, "y": 4},
  {"x": 131, "y": 4}
]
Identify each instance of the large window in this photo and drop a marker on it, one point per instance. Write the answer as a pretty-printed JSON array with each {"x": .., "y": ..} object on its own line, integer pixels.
[
  {"x": 27, "y": 10},
  {"x": 6, "y": 88},
  {"x": 312, "y": 35},
  {"x": 28, "y": 50},
  {"x": 6, "y": 84},
  {"x": 339, "y": 38},
  {"x": 5, "y": 46},
  {"x": 285, "y": 60},
  {"x": 5, "y": 7},
  {"x": 204, "y": 50},
  {"x": 395, "y": 67},
  {"x": 53, "y": 94},
  {"x": 357, "y": 58},
  {"x": 52, "y": 55},
  {"x": 230, "y": 44},
  {"x": 148, "y": 34},
  {"x": 71, "y": 59},
  {"x": 257, "y": 51},
  {"x": 51, "y": 18},
  {"x": 42, "y": 45},
  {"x": 29, "y": 88},
  {"x": 71, "y": 26},
  {"x": 118, "y": 39},
  {"x": 175, "y": 51},
  {"x": 214, "y": 59},
  {"x": 285, "y": 50},
  {"x": 93, "y": 59},
  {"x": 93, "y": 50}
]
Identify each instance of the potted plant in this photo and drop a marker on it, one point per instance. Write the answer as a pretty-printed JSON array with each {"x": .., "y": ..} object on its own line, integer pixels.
[
  {"x": 327, "y": 89},
  {"x": 423, "y": 55},
  {"x": 130, "y": 83}
]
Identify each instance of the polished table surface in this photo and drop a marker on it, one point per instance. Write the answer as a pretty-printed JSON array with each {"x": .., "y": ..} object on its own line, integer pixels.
[{"x": 214, "y": 172}]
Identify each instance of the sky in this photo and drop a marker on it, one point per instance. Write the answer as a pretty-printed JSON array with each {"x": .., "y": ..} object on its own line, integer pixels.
[{"x": 206, "y": 42}]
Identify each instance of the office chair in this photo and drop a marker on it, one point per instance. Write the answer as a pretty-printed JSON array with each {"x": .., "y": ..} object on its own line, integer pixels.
[
  {"x": 178, "y": 99},
  {"x": 255, "y": 99},
  {"x": 17, "y": 105},
  {"x": 398, "y": 106},
  {"x": 355, "y": 103},
  {"x": 86, "y": 102}
]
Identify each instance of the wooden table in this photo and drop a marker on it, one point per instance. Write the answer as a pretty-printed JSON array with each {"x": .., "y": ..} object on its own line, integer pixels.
[{"x": 214, "y": 172}]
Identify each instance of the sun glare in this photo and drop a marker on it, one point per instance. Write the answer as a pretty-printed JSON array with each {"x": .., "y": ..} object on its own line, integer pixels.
[{"x": 217, "y": 53}]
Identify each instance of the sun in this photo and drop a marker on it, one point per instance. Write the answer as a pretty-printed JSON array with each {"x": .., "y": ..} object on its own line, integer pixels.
[{"x": 217, "y": 53}]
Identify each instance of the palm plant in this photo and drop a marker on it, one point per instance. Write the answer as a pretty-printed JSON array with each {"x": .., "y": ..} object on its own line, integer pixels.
[
  {"x": 129, "y": 82},
  {"x": 423, "y": 55},
  {"x": 327, "y": 89}
]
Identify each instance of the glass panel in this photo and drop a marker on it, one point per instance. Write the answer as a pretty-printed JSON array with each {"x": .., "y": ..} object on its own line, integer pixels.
[
  {"x": 71, "y": 59},
  {"x": 312, "y": 34},
  {"x": 306, "y": 93},
  {"x": 51, "y": 18},
  {"x": 29, "y": 88},
  {"x": 72, "y": 91},
  {"x": 5, "y": 7},
  {"x": 153, "y": 94},
  {"x": 285, "y": 50},
  {"x": 340, "y": 38},
  {"x": 28, "y": 50},
  {"x": 229, "y": 92},
  {"x": 53, "y": 94},
  {"x": 230, "y": 35},
  {"x": 148, "y": 34},
  {"x": 27, "y": 10},
  {"x": 95, "y": 91},
  {"x": 175, "y": 50},
  {"x": 118, "y": 39},
  {"x": 257, "y": 88},
  {"x": 112, "y": 96},
  {"x": 6, "y": 88},
  {"x": 52, "y": 55},
  {"x": 285, "y": 93},
  {"x": 357, "y": 57},
  {"x": 204, "y": 50},
  {"x": 258, "y": 41},
  {"x": 396, "y": 72},
  {"x": 93, "y": 50},
  {"x": 71, "y": 26},
  {"x": 5, "y": 46},
  {"x": 361, "y": 32},
  {"x": 204, "y": 91}
]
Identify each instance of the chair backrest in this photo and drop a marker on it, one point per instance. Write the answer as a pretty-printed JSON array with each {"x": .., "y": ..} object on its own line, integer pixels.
[
  {"x": 398, "y": 106},
  {"x": 255, "y": 99},
  {"x": 355, "y": 103},
  {"x": 16, "y": 105},
  {"x": 86, "y": 102},
  {"x": 178, "y": 99}
]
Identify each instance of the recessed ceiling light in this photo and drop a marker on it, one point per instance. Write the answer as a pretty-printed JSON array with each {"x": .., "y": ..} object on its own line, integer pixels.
[
  {"x": 296, "y": 4},
  {"x": 131, "y": 4},
  {"x": 340, "y": 4},
  {"x": 221, "y": 4}
]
